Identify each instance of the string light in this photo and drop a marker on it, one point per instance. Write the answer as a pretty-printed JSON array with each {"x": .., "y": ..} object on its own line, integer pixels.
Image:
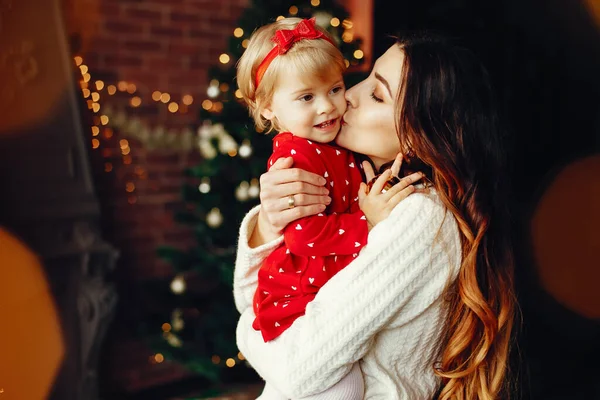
[
  {"x": 238, "y": 32},
  {"x": 204, "y": 186},
  {"x": 131, "y": 88},
  {"x": 335, "y": 22},
  {"x": 293, "y": 10},
  {"x": 187, "y": 100},
  {"x": 358, "y": 54},
  {"x": 112, "y": 89},
  {"x": 245, "y": 150},
  {"x": 135, "y": 101},
  {"x": 156, "y": 95},
  {"x": 99, "y": 85},
  {"x": 212, "y": 91},
  {"x": 129, "y": 187},
  {"x": 315, "y": 3},
  {"x": 224, "y": 58},
  {"x": 214, "y": 218},
  {"x": 241, "y": 192},
  {"x": 245, "y": 43},
  {"x": 254, "y": 190},
  {"x": 173, "y": 107},
  {"x": 207, "y": 104},
  {"x": 238, "y": 93},
  {"x": 165, "y": 97},
  {"x": 178, "y": 285},
  {"x": 280, "y": 18}
]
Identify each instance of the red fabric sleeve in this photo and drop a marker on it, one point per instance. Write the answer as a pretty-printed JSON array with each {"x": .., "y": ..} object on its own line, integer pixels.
[
  {"x": 322, "y": 234},
  {"x": 336, "y": 234}
]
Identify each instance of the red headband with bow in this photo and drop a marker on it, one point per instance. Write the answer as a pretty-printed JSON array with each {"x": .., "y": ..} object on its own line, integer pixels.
[{"x": 284, "y": 39}]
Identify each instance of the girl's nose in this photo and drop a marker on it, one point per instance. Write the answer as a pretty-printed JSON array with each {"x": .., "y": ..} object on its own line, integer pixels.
[{"x": 326, "y": 106}]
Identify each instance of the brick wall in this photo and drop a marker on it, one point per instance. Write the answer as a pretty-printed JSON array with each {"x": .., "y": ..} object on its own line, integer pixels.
[{"x": 164, "y": 45}]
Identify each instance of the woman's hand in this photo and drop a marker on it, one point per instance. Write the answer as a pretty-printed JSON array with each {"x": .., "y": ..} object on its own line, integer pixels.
[
  {"x": 377, "y": 204},
  {"x": 287, "y": 194}
]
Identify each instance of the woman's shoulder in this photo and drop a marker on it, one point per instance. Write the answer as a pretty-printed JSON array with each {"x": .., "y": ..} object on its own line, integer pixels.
[
  {"x": 421, "y": 205},
  {"x": 423, "y": 215}
]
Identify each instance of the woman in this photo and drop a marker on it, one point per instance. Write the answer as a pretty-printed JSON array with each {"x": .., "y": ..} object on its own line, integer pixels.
[{"x": 428, "y": 306}]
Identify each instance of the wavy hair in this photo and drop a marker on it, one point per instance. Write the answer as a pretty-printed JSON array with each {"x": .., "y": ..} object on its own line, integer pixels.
[{"x": 447, "y": 118}]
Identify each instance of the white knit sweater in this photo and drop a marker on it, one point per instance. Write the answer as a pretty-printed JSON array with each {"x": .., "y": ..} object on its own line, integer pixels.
[{"x": 384, "y": 309}]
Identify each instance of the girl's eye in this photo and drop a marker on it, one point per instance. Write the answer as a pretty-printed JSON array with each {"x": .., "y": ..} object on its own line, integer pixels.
[
  {"x": 375, "y": 98},
  {"x": 307, "y": 97},
  {"x": 337, "y": 89}
]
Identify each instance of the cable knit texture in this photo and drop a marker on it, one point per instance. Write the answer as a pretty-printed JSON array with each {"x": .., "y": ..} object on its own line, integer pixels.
[{"x": 385, "y": 309}]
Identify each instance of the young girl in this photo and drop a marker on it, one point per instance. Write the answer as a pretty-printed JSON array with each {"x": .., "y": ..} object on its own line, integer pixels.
[{"x": 291, "y": 77}]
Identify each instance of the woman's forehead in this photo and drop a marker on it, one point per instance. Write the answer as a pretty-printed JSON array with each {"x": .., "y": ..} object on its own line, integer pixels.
[{"x": 389, "y": 66}]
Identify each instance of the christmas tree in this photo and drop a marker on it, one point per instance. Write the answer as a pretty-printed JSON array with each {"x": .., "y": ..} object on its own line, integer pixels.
[{"x": 221, "y": 190}]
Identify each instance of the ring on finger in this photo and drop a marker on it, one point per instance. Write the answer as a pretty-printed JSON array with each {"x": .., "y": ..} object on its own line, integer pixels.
[{"x": 291, "y": 201}]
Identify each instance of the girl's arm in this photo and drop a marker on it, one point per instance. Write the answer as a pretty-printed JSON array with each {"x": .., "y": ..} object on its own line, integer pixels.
[{"x": 411, "y": 255}]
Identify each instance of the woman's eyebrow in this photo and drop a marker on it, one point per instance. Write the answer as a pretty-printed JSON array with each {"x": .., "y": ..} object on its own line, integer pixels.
[{"x": 385, "y": 83}]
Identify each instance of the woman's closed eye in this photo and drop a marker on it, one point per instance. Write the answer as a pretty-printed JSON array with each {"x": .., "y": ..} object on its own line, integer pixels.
[{"x": 375, "y": 98}]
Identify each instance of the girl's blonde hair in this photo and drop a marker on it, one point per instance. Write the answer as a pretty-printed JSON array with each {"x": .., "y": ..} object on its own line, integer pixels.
[{"x": 316, "y": 58}]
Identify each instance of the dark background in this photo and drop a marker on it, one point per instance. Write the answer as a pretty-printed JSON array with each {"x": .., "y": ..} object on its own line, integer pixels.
[{"x": 544, "y": 58}]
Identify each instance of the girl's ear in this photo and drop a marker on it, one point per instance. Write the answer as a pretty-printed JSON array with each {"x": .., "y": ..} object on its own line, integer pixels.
[{"x": 268, "y": 114}]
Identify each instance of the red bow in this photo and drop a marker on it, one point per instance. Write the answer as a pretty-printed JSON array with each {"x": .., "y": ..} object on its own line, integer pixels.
[{"x": 285, "y": 38}]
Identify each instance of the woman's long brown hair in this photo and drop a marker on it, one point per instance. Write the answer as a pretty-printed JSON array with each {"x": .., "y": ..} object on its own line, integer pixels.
[{"x": 448, "y": 119}]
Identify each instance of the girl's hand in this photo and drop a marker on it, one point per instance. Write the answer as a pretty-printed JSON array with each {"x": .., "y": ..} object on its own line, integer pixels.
[
  {"x": 280, "y": 185},
  {"x": 377, "y": 204}
]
